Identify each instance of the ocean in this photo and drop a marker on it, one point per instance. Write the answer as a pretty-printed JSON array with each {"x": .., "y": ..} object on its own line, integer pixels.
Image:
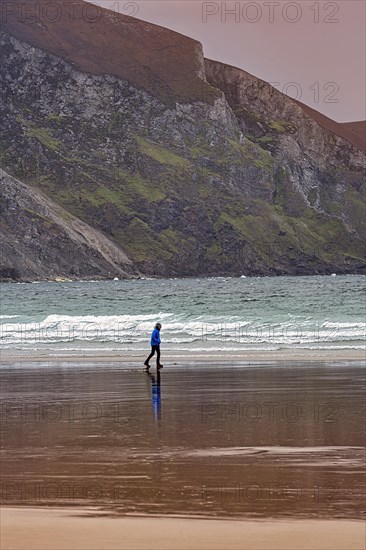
[{"x": 205, "y": 315}]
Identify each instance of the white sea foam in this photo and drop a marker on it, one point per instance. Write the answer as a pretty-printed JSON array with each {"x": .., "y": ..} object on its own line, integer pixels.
[
  {"x": 210, "y": 331},
  {"x": 9, "y": 316}
]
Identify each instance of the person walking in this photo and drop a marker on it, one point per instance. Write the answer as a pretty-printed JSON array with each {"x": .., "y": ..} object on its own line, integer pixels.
[{"x": 155, "y": 347}]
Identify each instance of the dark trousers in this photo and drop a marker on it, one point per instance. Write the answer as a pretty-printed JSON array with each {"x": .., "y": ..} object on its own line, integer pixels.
[{"x": 153, "y": 350}]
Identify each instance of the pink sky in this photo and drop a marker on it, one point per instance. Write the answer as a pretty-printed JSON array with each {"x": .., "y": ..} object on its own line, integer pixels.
[{"x": 324, "y": 60}]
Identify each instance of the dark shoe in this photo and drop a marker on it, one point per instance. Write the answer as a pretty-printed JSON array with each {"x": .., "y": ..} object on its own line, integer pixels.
[
  {"x": 147, "y": 366},
  {"x": 159, "y": 366}
]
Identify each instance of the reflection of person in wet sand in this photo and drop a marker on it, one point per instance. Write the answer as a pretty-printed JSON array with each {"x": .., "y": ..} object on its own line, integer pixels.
[{"x": 155, "y": 394}]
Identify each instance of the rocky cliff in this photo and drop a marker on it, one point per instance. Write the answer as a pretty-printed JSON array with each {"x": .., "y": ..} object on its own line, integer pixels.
[
  {"x": 41, "y": 240},
  {"x": 186, "y": 166}
]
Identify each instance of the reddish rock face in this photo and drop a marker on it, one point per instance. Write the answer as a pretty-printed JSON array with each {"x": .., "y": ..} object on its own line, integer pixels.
[
  {"x": 353, "y": 132},
  {"x": 99, "y": 41}
]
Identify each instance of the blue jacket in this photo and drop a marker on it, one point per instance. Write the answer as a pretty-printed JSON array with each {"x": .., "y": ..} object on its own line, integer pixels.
[{"x": 155, "y": 337}]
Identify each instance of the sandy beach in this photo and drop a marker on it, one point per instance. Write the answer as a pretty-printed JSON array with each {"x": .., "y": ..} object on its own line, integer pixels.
[
  {"x": 234, "y": 455},
  {"x": 48, "y": 529}
]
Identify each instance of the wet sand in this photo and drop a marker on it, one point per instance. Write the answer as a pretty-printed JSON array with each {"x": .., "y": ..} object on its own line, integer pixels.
[
  {"x": 201, "y": 357},
  {"x": 282, "y": 444}
]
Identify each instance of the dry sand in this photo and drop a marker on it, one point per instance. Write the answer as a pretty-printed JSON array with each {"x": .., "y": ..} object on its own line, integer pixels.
[{"x": 61, "y": 529}]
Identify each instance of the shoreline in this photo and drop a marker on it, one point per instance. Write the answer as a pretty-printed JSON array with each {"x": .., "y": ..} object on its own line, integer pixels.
[
  {"x": 328, "y": 272},
  {"x": 251, "y": 357},
  {"x": 68, "y": 529}
]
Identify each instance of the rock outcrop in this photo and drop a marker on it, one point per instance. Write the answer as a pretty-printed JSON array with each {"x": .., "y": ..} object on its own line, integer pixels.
[{"x": 41, "y": 240}]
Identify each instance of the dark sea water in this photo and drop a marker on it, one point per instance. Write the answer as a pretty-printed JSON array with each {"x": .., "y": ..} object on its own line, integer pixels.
[{"x": 216, "y": 314}]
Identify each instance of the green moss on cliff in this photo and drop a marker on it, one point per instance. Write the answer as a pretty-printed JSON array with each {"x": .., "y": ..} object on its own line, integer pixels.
[
  {"x": 172, "y": 239},
  {"x": 161, "y": 154},
  {"x": 135, "y": 184},
  {"x": 140, "y": 240},
  {"x": 264, "y": 140},
  {"x": 58, "y": 119},
  {"x": 252, "y": 153},
  {"x": 281, "y": 126},
  {"x": 275, "y": 236},
  {"x": 313, "y": 196},
  {"x": 43, "y": 135},
  {"x": 286, "y": 196},
  {"x": 354, "y": 204}
]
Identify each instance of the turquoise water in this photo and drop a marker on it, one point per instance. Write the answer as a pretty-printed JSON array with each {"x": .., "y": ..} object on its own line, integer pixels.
[{"x": 215, "y": 314}]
